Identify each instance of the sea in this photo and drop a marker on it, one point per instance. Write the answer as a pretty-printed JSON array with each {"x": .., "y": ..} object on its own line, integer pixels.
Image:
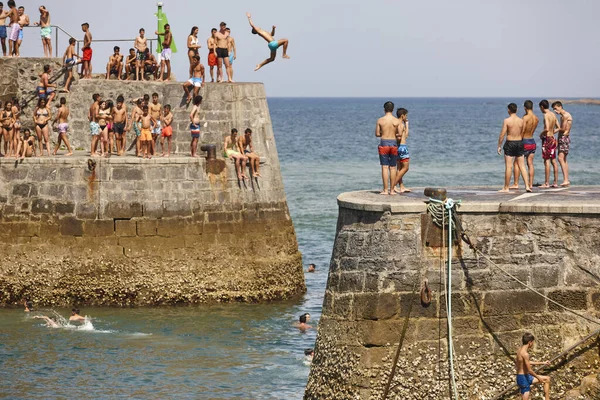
[{"x": 326, "y": 146}]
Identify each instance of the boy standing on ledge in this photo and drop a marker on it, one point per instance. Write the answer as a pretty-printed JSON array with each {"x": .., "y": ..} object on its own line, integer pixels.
[
  {"x": 403, "y": 155},
  {"x": 512, "y": 128},
  {"x": 564, "y": 140},
  {"x": 165, "y": 55},
  {"x": 549, "y": 144},
  {"x": 525, "y": 374},
  {"x": 386, "y": 129},
  {"x": 195, "y": 125},
  {"x": 86, "y": 66}
]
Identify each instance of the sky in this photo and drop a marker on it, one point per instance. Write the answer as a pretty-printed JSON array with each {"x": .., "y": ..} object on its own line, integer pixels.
[{"x": 376, "y": 48}]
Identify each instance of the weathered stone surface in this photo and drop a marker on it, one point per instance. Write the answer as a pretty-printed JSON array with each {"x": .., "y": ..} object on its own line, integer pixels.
[
  {"x": 378, "y": 258},
  {"x": 146, "y": 232}
]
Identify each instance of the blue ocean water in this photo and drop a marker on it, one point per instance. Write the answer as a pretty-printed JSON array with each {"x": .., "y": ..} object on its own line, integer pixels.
[{"x": 326, "y": 146}]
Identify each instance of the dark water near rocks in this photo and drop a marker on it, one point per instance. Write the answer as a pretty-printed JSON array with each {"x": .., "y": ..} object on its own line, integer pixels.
[{"x": 326, "y": 146}]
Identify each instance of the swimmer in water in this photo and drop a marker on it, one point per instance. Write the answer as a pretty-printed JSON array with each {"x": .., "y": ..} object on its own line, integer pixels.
[
  {"x": 309, "y": 354},
  {"x": 311, "y": 268},
  {"x": 50, "y": 323},
  {"x": 272, "y": 43},
  {"x": 75, "y": 315},
  {"x": 302, "y": 325},
  {"x": 28, "y": 305}
]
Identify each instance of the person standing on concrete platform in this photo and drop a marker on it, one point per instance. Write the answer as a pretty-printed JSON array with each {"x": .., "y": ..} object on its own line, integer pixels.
[
  {"x": 526, "y": 376},
  {"x": 46, "y": 31},
  {"x": 120, "y": 124},
  {"x": 140, "y": 45},
  {"x": 232, "y": 52},
  {"x": 156, "y": 110},
  {"x": 165, "y": 55},
  {"x": 146, "y": 121},
  {"x": 386, "y": 129},
  {"x": 512, "y": 128},
  {"x": 42, "y": 116},
  {"x": 62, "y": 119},
  {"x": 7, "y": 122},
  {"x": 195, "y": 125},
  {"x": 403, "y": 160},
  {"x": 272, "y": 43},
  {"x": 167, "y": 130},
  {"x": 94, "y": 127},
  {"x": 564, "y": 140},
  {"x": 3, "y": 34},
  {"x": 212, "y": 53},
  {"x": 86, "y": 66},
  {"x": 246, "y": 147},
  {"x": 222, "y": 52},
  {"x": 549, "y": 144},
  {"x": 15, "y": 28},
  {"x": 23, "y": 21},
  {"x": 530, "y": 123}
]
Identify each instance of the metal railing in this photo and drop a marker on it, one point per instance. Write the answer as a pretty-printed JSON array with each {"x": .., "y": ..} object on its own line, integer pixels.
[{"x": 58, "y": 29}]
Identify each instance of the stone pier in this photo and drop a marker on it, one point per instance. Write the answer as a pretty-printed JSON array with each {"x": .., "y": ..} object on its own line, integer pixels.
[
  {"x": 124, "y": 231},
  {"x": 386, "y": 246}
]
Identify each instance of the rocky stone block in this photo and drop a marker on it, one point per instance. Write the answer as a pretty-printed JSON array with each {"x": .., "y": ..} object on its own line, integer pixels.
[
  {"x": 573, "y": 299},
  {"x": 513, "y": 302},
  {"x": 376, "y": 306},
  {"x": 70, "y": 226}
]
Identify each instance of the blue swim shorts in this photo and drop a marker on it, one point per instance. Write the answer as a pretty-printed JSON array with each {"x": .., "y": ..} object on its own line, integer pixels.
[
  {"x": 3, "y": 32},
  {"x": 388, "y": 152},
  {"x": 524, "y": 382},
  {"x": 273, "y": 45},
  {"x": 403, "y": 155}
]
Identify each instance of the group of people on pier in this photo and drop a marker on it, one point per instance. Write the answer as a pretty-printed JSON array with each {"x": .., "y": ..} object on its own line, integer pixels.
[{"x": 519, "y": 147}]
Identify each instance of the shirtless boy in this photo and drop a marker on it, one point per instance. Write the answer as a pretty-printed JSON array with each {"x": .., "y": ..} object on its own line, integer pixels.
[
  {"x": 387, "y": 128},
  {"x": 94, "y": 127},
  {"x": 512, "y": 128},
  {"x": 530, "y": 123},
  {"x": 403, "y": 160},
  {"x": 303, "y": 322},
  {"x": 231, "y": 151},
  {"x": 115, "y": 64},
  {"x": 140, "y": 45},
  {"x": 156, "y": 110},
  {"x": 232, "y": 53},
  {"x": 86, "y": 66},
  {"x": 246, "y": 147},
  {"x": 195, "y": 125},
  {"x": 130, "y": 64},
  {"x": 23, "y": 21},
  {"x": 120, "y": 124},
  {"x": 564, "y": 140},
  {"x": 45, "y": 31},
  {"x": 526, "y": 376},
  {"x": 62, "y": 119},
  {"x": 70, "y": 59},
  {"x": 13, "y": 14},
  {"x": 549, "y": 143},
  {"x": 222, "y": 52},
  {"x": 212, "y": 53},
  {"x": 146, "y": 121},
  {"x": 3, "y": 32},
  {"x": 272, "y": 43},
  {"x": 75, "y": 315},
  {"x": 167, "y": 130},
  {"x": 197, "y": 80},
  {"x": 136, "y": 126},
  {"x": 165, "y": 55}
]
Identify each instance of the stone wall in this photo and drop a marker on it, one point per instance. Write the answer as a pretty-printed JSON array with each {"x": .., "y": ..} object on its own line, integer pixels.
[
  {"x": 127, "y": 231},
  {"x": 225, "y": 105},
  {"x": 379, "y": 256}
]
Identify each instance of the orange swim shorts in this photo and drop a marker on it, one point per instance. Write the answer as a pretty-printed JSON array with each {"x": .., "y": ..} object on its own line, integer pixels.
[
  {"x": 167, "y": 131},
  {"x": 146, "y": 135},
  {"x": 212, "y": 59}
]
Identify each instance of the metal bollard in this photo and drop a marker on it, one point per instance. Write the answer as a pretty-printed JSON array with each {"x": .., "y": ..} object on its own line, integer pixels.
[
  {"x": 211, "y": 151},
  {"x": 436, "y": 193}
]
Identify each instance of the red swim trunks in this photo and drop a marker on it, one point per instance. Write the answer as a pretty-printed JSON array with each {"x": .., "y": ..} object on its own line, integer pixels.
[
  {"x": 212, "y": 59},
  {"x": 167, "y": 131},
  {"x": 87, "y": 54},
  {"x": 548, "y": 148}
]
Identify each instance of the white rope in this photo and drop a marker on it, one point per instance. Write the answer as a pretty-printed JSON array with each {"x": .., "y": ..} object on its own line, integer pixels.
[{"x": 533, "y": 289}]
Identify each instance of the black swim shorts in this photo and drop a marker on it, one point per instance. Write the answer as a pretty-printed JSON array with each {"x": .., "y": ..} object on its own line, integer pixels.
[
  {"x": 222, "y": 53},
  {"x": 119, "y": 127},
  {"x": 514, "y": 148}
]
